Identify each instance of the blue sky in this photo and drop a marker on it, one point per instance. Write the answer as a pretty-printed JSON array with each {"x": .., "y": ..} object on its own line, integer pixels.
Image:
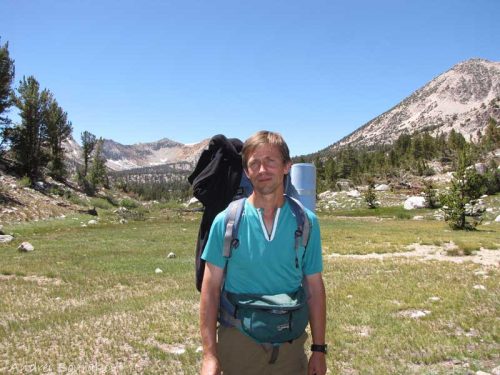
[{"x": 138, "y": 71}]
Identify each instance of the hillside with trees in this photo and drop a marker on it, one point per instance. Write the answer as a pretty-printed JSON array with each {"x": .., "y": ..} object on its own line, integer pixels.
[{"x": 409, "y": 155}]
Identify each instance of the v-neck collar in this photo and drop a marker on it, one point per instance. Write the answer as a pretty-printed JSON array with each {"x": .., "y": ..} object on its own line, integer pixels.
[{"x": 267, "y": 235}]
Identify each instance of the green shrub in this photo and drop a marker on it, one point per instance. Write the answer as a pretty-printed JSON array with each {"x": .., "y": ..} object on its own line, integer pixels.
[
  {"x": 468, "y": 248},
  {"x": 430, "y": 195},
  {"x": 112, "y": 200},
  {"x": 404, "y": 215},
  {"x": 57, "y": 190},
  {"x": 467, "y": 186},
  {"x": 492, "y": 178},
  {"x": 101, "y": 203},
  {"x": 370, "y": 196},
  {"x": 75, "y": 199},
  {"x": 25, "y": 182},
  {"x": 453, "y": 252},
  {"x": 129, "y": 203},
  {"x": 136, "y": 214}
]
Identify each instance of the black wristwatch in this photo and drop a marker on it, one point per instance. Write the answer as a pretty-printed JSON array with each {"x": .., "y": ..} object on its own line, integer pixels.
[{"x": 319, "y": 348}]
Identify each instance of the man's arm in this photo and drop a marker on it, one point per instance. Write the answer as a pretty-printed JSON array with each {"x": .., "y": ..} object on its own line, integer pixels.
[
  {"x": 317, "y": 320},
  {"x": 209, "y": 306}
]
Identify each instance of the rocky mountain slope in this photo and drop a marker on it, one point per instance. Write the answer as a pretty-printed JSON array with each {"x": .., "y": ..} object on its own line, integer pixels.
[
  {"x": 21, "y": 203},
  {"x": 123, "y": 157},
  {"x": 463, "y": 98}
]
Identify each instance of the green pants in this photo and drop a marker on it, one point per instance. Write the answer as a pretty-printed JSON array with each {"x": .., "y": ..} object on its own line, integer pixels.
[{"x": 240, "y": 355}]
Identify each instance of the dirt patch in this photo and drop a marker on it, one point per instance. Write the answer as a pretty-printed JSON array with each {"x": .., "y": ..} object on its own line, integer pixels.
[
  {"x": 361, "y": 331},
  {"x": 413, "y": 314},
  {"x": 39, "y": 280},
  {"x": 485, "y": 257},
  {"x": 177, "y": 349}
]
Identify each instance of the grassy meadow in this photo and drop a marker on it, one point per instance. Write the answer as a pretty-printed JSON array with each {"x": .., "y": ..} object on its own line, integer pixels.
[{"x": 91, "y": 300}]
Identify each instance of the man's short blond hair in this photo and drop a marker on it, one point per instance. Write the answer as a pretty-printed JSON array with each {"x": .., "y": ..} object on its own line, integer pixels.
[{"x": 261, "y": 138}]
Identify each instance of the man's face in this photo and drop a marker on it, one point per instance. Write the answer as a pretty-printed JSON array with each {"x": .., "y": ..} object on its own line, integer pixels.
[{"x": 266, "y": 168}]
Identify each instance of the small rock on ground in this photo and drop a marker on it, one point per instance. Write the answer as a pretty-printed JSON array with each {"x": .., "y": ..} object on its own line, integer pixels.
[
  {"x": 5, "y": 238},
  {"x": 26, "y": 246}
]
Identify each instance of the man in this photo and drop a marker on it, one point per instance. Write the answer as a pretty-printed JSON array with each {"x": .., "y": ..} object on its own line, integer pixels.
[{"x": 265, "y": 262}]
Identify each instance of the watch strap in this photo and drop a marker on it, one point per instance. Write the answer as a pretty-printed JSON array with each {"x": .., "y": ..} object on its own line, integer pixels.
[{"x": 319, "y": 348}]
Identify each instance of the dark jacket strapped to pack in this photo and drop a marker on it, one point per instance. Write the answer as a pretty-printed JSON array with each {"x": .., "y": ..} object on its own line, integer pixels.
[{"x": 215, "y": 182}]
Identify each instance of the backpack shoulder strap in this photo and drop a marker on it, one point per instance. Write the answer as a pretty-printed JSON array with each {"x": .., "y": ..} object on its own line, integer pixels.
[
  {"x": 303, "y": 223},
  {"x": 232, "y": 221}
]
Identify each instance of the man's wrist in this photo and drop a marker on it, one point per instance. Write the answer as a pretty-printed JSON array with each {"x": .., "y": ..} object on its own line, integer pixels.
[{"x": 322, "y": 348}]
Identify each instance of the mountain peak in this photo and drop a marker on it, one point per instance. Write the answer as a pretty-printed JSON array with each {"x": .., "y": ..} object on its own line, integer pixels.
[
  {"x": 463, "y": 98},
  {"x": 474, "y": 61}
]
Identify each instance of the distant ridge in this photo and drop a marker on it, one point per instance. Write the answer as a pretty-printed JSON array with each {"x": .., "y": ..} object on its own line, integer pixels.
[
  {"x": 124, "y": 157},
  {"x": 463, "y": 98}
]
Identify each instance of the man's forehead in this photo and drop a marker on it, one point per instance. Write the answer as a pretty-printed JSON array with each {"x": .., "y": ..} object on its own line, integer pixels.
[{"x": 265, "y": 149}]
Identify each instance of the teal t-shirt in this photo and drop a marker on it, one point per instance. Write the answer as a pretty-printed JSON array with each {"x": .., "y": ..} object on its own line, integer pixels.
[{"x": 263, "y": 263}]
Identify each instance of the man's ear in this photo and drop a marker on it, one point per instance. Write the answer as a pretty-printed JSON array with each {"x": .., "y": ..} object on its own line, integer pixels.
[
  {"x": 246, "y": 173},
  {"x": 288, "y": 166}
]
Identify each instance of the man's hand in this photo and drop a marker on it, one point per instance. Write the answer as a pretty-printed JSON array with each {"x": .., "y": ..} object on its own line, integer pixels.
[
  {"x": 209, "y": 304},
  {"x": 317, "y": 364},
  {"x": 317, "y": 320},
  {"x": 210, "y": 366}
]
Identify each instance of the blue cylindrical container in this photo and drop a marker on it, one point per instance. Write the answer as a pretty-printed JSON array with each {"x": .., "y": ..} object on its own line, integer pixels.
[{"x": 303, "y": 178}]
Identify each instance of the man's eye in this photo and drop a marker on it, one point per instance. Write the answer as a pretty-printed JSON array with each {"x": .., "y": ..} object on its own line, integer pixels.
[{"x": 253, "y": 165}]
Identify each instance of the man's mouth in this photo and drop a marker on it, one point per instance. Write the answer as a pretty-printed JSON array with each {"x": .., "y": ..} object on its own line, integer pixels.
[{"x": 264, "y": 179}]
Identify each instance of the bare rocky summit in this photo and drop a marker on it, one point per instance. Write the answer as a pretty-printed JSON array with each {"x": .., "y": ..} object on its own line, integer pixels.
[{"x": 463, "y": 99}]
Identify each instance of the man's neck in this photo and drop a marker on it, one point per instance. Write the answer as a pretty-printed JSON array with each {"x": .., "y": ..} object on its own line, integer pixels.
[{"x": 269, "y": 202}]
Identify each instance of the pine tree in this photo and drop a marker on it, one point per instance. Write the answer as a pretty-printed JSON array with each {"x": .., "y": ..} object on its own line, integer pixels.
[
  {"x": 89, "y": 141},
  {"x": 491, "y": 138},
  {"x": 27, "y": 138},
  {"x": 467, "y": 185},
  {"x": 6, "y": 92},
  {"x": 370, "y": 196},
  {"x": 348, "y": 163},
  {"x": 428, "y": 146},
  {"x": 430, "y": 195},
  {"x": 441, "y": 146},
  {"x": 403, "y": 145},
  {"x": 393, "y": 158},
  {"x": 456, "y": 141},
  {"x": 320, "y": 171},
  {"x": 58, "y": 130},
  {"x": 417, "y": 148},
  {"x": 320, "y": 174},
  {"x": 98, "y": 172},
  {"x": 492, "y": 178},
  {"x": 329, "y": 172}
]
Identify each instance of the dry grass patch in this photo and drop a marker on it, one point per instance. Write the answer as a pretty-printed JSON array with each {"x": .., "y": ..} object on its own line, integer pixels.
[
  {"x": 416, "y": 313},
  {"x": 88, "y": 300},
  {"x": 343, "y": 235}
]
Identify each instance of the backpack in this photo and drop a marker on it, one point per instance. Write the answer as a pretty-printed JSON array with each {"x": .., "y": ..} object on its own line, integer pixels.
[{"x": 217, "y": 180}]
